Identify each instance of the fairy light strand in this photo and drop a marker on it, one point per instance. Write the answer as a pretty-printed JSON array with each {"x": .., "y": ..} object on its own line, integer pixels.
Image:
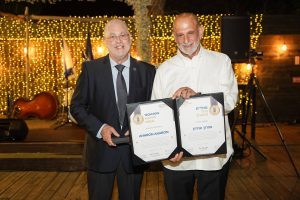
[{"x": 46, "y": 72}]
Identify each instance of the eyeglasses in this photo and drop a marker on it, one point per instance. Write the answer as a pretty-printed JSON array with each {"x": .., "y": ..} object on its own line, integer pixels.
[{"x": 123, "y": 37}]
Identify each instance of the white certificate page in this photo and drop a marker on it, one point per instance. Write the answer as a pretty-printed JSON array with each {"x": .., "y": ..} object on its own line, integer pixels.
[
  {"x": 201, "y": 125},
  {"x": 153, "y": 131}
]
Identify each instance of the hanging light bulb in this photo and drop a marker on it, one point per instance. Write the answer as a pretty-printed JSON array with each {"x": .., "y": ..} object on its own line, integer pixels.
[{"x": 283, "y": 47}]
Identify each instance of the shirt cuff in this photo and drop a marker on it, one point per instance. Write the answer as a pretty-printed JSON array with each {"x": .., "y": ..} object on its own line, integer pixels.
[{"x": 99, "y": 132}]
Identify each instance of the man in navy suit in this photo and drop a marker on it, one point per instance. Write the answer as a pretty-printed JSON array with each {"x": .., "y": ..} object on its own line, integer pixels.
[{"x": 95, "y": 106}]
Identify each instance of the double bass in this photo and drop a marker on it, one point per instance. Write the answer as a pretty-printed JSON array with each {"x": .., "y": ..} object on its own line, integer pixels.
[{"x": 43, "y": 106}]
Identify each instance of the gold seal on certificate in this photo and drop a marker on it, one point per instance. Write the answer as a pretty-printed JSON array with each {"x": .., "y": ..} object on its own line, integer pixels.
[
  {"x": 138, "y": 119},
  {"x": 214, "y": 109}
]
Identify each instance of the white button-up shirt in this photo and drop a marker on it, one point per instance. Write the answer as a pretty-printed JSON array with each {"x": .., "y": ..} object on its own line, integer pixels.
[{"x": 207, "y": 72}]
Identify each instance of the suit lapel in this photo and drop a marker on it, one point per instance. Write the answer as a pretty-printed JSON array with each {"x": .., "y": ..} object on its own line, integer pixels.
[
  {"x": 108, "y": 78},
  {"x": 133, "y": 73}
]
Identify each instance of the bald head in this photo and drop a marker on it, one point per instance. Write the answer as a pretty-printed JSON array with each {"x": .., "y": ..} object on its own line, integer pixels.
[{"x": 184, "y": 17}]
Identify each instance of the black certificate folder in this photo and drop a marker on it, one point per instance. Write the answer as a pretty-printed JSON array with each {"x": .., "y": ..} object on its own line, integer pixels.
[{"x": 159, "y": 129}]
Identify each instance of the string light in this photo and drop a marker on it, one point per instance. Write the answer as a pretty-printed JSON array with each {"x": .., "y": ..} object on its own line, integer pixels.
[
  {"x": 100, "y": 50},
  {"x": 46, "y": 72}
]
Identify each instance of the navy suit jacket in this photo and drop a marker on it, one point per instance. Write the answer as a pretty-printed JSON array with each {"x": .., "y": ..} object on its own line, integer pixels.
[{"x": 94, "y": 103}]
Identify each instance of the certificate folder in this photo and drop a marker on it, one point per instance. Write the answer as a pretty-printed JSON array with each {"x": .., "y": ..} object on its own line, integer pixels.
[{"x": 161, "y": 128}]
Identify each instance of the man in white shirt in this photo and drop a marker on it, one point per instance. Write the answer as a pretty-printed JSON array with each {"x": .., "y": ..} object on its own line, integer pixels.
[{"x": 196, "y": 70}]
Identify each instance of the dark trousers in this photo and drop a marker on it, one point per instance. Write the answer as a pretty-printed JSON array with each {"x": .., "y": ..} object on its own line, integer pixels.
[
  {"x": 211, "y": 184},
  {"x": 100, "y": 185}
]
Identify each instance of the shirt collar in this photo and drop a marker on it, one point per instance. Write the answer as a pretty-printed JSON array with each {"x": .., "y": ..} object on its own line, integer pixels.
[
  {"x": 126, "y": 63},
  {"x": 198, "y": 56}
]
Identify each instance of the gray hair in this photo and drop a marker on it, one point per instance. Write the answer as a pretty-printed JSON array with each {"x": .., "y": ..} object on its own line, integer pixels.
[{"x": 113, "y": 22}]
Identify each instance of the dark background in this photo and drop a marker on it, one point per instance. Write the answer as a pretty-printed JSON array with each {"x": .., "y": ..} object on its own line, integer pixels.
[{"x": 119, "y": 8}]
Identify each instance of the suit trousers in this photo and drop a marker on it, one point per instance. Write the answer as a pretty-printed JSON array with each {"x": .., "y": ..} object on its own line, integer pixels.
[
  {"x": 100, "y": 185},
  {"x": 211, "y": 184}
]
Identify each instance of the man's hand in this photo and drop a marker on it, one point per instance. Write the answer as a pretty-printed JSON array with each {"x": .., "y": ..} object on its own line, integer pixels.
[
  {"x": 107, "y": 132},
  {"x": 177, "y": 157},
  {"x": 184, "y": 92}
]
